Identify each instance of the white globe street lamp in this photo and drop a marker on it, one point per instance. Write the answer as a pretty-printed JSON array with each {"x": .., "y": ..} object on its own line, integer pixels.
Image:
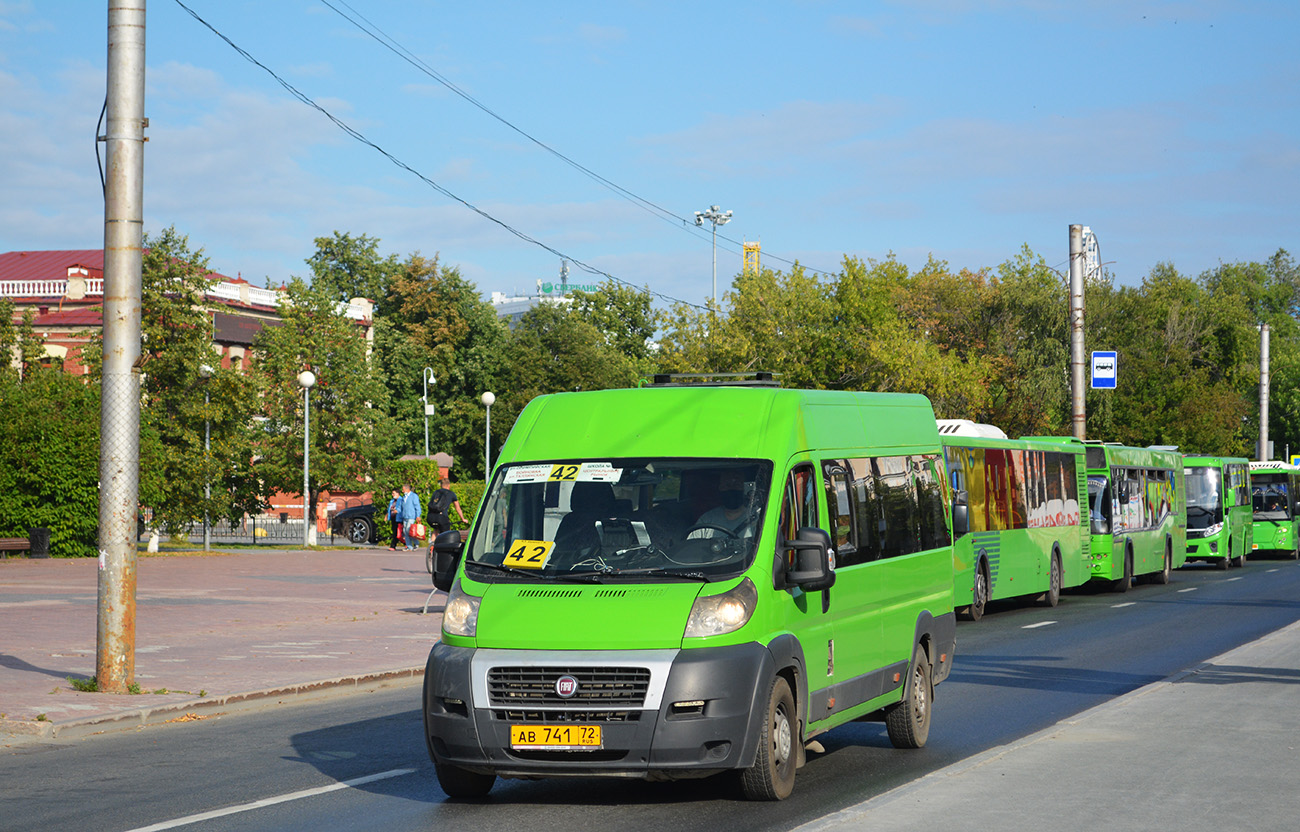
[
  {"x": 306, "y": 380},
  {"x": 489, "y": 398}
]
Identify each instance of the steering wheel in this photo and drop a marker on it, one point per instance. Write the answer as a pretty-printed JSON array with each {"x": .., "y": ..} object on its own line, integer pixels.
[{"x": 706, "y": 527}]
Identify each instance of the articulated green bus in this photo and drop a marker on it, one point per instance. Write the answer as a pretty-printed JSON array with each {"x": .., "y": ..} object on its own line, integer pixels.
[
  {"x": 1274, "y": 490},
  {"x": 1218, "y": 509},
  {"x": 1017, "y": 525},
  {"x": 1138, "y": 513}
]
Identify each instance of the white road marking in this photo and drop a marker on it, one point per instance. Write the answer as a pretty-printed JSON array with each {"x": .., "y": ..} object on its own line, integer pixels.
[
  {"x": 1189, "y": 589},
  {"x": 271, "y": 801},
  {"x": 1039, "y": 624},
  {"x": 1230, "y": 580},
  {"x": 1125, "y": 604}
]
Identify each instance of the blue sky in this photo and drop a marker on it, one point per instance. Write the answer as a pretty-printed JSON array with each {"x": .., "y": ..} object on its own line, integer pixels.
[{"x": 958, "y": 129}]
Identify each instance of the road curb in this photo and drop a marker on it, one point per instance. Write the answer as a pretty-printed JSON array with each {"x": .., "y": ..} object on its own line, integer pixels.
[{"x": 209, "y": 706}]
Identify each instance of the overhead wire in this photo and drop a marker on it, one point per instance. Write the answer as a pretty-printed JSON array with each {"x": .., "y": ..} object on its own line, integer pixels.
[
  {"x": 390, "y": 43},
  {"x": 358, "y": 136}
]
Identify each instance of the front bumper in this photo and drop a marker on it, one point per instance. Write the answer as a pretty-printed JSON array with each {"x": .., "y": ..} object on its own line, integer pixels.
[{"x": 646, "y": 733}]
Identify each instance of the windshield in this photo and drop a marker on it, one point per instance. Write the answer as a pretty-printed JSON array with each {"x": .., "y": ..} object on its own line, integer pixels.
[
  {"x": 1268, "y": 495},
  {"x": 1204, "y": 497},
  {"x": 611, "y": 519},
  {"x": 1098, "y": 498}
]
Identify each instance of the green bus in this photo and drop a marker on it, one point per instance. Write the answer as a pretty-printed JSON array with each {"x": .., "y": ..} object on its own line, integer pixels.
[
  {"x": 1017, "y": 525},
  {"x": 683, "y": 580},
  {"x": 1137, "y": 513},
  {"x": 1275, "y": 492},
  {"x": 1218, "y": 509}
]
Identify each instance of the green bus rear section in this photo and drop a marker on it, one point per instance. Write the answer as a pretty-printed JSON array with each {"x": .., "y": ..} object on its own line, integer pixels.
[
  {"x": 1228, "y": 537},
  {"x": 1275, "y": 502},
  {"x": 1149, "y": 515},
  {"x": 1027, "y": 502},
  {"x": 874, "y": 606}
]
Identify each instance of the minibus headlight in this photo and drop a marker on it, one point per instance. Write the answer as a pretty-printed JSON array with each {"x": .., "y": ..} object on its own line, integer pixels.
[
  {"x": 460, "y": 616},
  {"x": 716, "y": 615}
]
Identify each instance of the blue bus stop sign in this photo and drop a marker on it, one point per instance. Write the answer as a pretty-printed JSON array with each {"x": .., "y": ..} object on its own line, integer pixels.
[{"x": 1103, "y": 369}]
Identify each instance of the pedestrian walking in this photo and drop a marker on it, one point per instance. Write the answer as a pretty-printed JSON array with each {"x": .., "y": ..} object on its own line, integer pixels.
[
  {"x": 440, "y": 505},
  {"x": 395, "y": 519},
  {"x": 410, "y": 515}
]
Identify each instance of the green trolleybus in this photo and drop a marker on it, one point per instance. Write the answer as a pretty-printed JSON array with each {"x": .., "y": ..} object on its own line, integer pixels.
[
  {"x": 683, "y": 580},
  {"x": 1138, "y": 513},
  {"x": 1274, "y": 492},
  {"x": 1017, "y": 525},
  {"x": 1218, "y": 509}
]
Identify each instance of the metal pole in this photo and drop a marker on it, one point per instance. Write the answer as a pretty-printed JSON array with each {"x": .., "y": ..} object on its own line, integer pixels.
[
  {"x": 1263, "y": 454},
  {"x": 428, "y": 376},
  {"x": 119, "y": 449},
  {"x": 306, "y": 463},
  {"x": 487, "y": 446},
  {"x": 207, "y": 475},
  {"x": 1078, "y": 416},
  {"x": 715, "y": 262}
]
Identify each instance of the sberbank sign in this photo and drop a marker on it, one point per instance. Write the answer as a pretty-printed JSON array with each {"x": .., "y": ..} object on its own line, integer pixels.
[{"x": 552, "y": 289}]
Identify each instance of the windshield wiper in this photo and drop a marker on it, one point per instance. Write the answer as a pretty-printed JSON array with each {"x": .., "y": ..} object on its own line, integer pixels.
[{"x": 660, "y": 572}]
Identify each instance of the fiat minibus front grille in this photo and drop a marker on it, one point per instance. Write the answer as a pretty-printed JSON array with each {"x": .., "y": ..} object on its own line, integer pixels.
[
  {"x": 596, "y": 686},
  {"x": 561, "y": 717}
]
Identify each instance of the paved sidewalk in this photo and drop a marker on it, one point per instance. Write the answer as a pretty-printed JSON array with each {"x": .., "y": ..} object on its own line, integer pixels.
[
  {"x": 215, "y": 632},
  {"x": 1211, "y": 749}
]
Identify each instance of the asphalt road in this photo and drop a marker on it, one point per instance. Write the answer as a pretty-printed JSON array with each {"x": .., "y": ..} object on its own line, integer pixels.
[{"x": 1021, "y": 669}]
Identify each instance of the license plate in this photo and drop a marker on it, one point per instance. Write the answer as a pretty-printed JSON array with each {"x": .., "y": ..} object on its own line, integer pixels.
[{"x": 555, "y": 737}]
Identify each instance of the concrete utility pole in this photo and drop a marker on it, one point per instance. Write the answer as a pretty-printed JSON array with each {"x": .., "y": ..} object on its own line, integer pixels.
[
  {"x": 1078, "y": 417},
  {"x": 1263, "y": 454},
  {"x": 119, "y": 447}
]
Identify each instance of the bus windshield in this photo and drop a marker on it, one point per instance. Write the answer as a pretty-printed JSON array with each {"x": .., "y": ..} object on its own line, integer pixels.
[
  {"x": 1099, "y": 504},
  {"x": 620, "y": 519},
  {"x": 1204, "y": 497},
  {"x": 1269, "y": 497}
]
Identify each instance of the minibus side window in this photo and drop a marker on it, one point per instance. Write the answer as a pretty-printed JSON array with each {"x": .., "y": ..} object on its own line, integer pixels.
[{"x": 798, "y": 506}]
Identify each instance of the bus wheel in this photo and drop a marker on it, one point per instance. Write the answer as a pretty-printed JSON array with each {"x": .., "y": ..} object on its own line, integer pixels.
[
  {"x": 772, "y": 775},
  {"x": 908, "y": 722},
  {"x": 1123, "y": 584},
  {"x": 1162, "y": 577},
  {"x": 979, "y": 593},
  {"x": 1053, "y": 594},
  {"x": 458, "y": 782},
  {"x": 1225, "y": 561},
  {"x": 1240, "y": 560}
]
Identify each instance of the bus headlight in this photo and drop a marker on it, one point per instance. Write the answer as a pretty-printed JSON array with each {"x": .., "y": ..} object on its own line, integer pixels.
[
  {"x": 460, "y": 616},
  {"x": 1211, "y": 531},
  {"x": 716, "y": 615}
]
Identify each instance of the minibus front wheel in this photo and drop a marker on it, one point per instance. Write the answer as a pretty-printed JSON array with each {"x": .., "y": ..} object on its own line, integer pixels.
[
  {"x": 908, "y": 721},
  {"x": 772, "y": 775}
]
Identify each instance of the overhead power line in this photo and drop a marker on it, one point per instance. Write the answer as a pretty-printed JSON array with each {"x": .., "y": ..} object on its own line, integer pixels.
[
  {"x": 355, "y": 134},
  {"x": 390, "y": 43}
]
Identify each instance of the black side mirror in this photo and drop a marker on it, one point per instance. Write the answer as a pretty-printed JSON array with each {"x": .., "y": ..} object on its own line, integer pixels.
[
  {"x": 446, "y": 558},
  {"x": 960, "y": 519},
  {"x": 812, "y": 560}
]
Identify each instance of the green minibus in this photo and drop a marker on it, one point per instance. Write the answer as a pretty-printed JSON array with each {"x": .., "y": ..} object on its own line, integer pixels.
[
  {"x": 1017, "y": 525},
  {"x": 1275, "y": 502},
  {"x": 1137, "y": 512},
  {"x": 1218, "y": 509},
  {"x": 684, "y": 580}
]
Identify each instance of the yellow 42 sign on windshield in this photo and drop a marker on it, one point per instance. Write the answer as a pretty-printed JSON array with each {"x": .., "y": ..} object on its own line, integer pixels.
[{"x": 529, "y": 554}]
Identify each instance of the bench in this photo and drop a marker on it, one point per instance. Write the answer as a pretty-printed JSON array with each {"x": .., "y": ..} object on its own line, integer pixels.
[{"x": 15, "y": 544}]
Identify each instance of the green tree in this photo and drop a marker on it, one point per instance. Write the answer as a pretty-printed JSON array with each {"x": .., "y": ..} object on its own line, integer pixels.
[
  {"x": 350, "y": 428},
  {"x": 346, "y": 267}
]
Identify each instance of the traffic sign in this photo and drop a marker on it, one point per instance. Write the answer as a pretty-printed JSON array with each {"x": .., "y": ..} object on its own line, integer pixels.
[{"x": 1104, "y": 373}]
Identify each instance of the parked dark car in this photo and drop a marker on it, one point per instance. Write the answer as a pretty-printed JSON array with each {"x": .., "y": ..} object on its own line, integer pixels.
[{"x": 356, "y": 524}]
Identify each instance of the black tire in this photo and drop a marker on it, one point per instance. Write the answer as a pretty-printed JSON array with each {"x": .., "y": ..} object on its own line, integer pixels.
[
  {"x": 772, "y": 775},
  {"x": 358, "y": 530},
  {"x": 458, "y": 782},
  {"x": 1125, "y": 583},
  {"x": 1240, "y": 560},
  {"x": 1052, "y": 596},
  {"x": 908, "y": 722},
  {"x": 428, "y": 559},
  {"x": 979, "y": 593},
  {"x": 1162, "y": 577},
  {"x": 1224, "y": 562}
]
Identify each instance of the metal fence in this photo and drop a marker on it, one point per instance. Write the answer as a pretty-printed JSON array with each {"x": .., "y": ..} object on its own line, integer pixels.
[{"x": 273, "y": 528}]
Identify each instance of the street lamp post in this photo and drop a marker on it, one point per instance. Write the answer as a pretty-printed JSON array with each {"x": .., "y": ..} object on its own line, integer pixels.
[
  {"x": 488, "y": 399},
  {"x": 205, "y": 372},
  {"x": 428, "y": 408},
  {"x": 306, "y": 380},
  {"x": 717, "y": 217}
]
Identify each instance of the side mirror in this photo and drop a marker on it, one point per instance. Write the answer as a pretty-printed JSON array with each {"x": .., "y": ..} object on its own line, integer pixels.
[
  {"x": 960, "y": 519},
  {"x": 1098, "y": 525},
  {"x": 446, "y": 558},
  {"x": 812, "y": 560}
]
